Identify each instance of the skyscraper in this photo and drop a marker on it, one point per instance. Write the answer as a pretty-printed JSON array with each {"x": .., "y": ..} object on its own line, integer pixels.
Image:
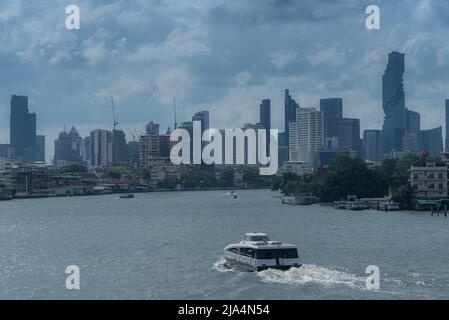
[
  {"x": 152, "y": 128},
  {"x": 134, "y": 154},
  {"x": 256, "y": 127},
  {"x": 100, "y": 148},
  {"x": 203, "y": 117},
  {"x": 306, "y": 136},
  {"x": 265, "y": 120},
  {"x": 393, "y": 102},
  {"x": 332, "y": 108},
  {"x": 68, "y": 148},
  {"x": 40, "y": 148},
  {"x": 188, "y": 125},
  {"x": 282, "y": 148},
  {"x": 86, "y": 150},
  {"x": 119, "y": 148},
  {"x": 290, "y": 109},
  {"x": 432, "y": 141},
  {"x": 348, "y": 133},
  {"x": 22, "y": 126},
  {"x": 413, "y": 121},
  {"x": 447, "y": 125},
  {"x": 372, "y": 145},
  {"x": 410, "y": 141}
]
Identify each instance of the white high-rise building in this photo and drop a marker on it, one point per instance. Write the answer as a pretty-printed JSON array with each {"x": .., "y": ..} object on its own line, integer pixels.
[
  {"x": 101, "y": 148},
  {"x": 306, "y": 136}
]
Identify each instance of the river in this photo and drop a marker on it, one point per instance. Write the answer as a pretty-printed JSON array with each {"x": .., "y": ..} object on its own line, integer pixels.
[{"x": 169, "y": 245}]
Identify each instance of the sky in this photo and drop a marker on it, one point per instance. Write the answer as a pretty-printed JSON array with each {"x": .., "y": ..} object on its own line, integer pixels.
[{"x": 224, "y": 56}]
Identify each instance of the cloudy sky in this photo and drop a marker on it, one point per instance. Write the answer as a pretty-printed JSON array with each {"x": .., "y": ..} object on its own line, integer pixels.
[{"x": 221, "y": 55}]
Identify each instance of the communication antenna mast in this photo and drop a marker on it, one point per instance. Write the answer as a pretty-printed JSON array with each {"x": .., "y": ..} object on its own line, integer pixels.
[{"x": 113, "y": 113}]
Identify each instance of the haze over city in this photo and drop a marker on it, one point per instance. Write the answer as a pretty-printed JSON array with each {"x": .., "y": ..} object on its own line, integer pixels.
[{"x": 224, "y": 57}]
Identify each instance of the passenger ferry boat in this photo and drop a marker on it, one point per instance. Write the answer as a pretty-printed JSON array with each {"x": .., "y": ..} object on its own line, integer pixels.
[
  {"x": 126, "y": 196},
  {"x": 256, "y": 252}
]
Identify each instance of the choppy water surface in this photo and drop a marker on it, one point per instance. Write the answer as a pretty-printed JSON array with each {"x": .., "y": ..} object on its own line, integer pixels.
[{"x": 169, "y": 246}]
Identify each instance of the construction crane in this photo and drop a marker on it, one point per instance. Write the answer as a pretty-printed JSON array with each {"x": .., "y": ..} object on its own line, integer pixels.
[
  {"x": 174, "y": 111},
  {"x": 113, "y": 114}
]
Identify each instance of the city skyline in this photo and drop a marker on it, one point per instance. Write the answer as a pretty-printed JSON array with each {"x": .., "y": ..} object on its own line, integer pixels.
[{"x": 69, "y": 78}]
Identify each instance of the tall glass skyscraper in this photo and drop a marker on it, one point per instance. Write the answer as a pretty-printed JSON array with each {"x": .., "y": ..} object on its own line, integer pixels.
[
  {"x": 393, "y": 101},
  {"x": 413, "y": 121},
  {"x": 265, "y": 120},
  {"x": 22, "y": 126},
  {"x": 119, "y": 148},
  {"x": 372, "y": 145},
  {"x": 290, "y": 109},
  {"x": 202, "y": 116},
  {"x": 432, "y": 141},
  {"x": 332, "y": 108}
]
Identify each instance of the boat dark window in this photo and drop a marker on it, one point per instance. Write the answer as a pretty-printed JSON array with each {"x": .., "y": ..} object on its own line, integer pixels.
[
  {"x": 257, "y": 238},
  {"x": 234, "y": 250},
  {"x": 277, "y": 253},
  {"x": 248, "y": 252}
]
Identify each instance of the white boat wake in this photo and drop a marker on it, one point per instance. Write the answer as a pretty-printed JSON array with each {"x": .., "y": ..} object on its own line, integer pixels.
[
  {"x": 312, "y": 274},
  {"x": 221, "y": 266},
  {"x": 306, "y": 274}
]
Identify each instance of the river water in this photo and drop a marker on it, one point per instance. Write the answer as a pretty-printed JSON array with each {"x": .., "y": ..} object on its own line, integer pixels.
[{"x": 169, "y": 246}]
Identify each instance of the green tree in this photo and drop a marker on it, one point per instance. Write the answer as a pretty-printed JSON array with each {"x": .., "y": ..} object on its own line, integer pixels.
[
  {"x": 290, "y": 183},
  {"x": 396, "y": 171},
  {"x": 73, "y": 168},
  {"x": 168, "y": 183},
  {"x": 226, "y": 178},
  {"x": 195, "y": 178},
  {"x": 145, "y": 173},
  {"x": 350, "y": 176},
  {"x": 405, "y": 196},
  {"x": 251, "y": 176},
  {"x": 116, "y": 172}
]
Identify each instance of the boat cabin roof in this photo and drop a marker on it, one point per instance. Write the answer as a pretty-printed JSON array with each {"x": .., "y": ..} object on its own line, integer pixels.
[
  {"x": 253, "y": 237},
  {"x": 253, "y": 234}
]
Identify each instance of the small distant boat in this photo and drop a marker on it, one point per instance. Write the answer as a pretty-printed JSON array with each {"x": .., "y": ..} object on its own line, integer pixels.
[
  {"x": 351, "y": 204},
  {"x": 390, "y": 206},
  {"x": 126, "y": 196},
  {"x": 355, "y": 205},
  {"x": 298, "y": 199},
  {"x": 5, "y": 198}
]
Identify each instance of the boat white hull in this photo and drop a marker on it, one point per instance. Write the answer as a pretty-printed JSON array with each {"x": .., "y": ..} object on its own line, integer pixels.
[{"x": 247, "y": 264}]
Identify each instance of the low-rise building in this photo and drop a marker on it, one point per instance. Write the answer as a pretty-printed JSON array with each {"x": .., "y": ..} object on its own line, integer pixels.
[
  {"x": 7, "y": 164},
  {"x": 32, "y": 179},
  {"x": 429, "y": 182},
  {"x": 298, "y": 167},
  {"x": 160, "y": 173}
]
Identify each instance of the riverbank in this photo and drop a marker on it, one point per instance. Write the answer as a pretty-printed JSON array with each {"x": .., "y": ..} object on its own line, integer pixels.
[{"x": 40, "y": 196}]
